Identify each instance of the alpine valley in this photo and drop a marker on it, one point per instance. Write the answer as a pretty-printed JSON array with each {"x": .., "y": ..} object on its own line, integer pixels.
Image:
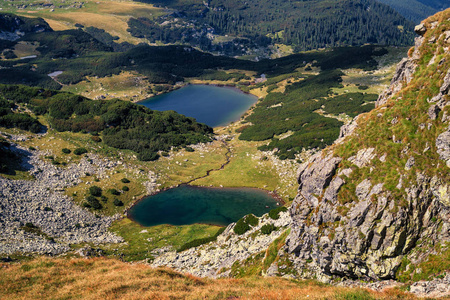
[{"x": 333, "y": 185}]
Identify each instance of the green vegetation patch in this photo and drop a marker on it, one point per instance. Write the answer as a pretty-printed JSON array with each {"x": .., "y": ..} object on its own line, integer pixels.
[
  {"x": 198, "y": 242},
  {"x": 283, "y": 22},
  {"x": 274, "y": 214},
  {"x": 272, "y": 252},
  {"x": 11, "y": 117},
  {"x": 351, "y": 104},
  {"x": 141, "y": 241},
  {"x": 243, "y": 224}
]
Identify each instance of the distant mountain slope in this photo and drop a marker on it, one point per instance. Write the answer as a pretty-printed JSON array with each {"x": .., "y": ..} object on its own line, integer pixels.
[
  {"x": 437, "y": 4},
  {"x": 304, "y": 24},
  {"x": 417, "y": 10}
]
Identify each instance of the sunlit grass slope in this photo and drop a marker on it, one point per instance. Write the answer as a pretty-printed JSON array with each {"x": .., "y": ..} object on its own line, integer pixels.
[{"x": 101, "y": 278}]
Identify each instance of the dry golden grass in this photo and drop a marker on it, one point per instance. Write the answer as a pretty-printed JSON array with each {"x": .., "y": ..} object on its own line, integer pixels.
[
  {"x": 259, "y": 92},
  {"x": 58, "y": 25},
  {"x": 110, "y": 15},
  {"x": 129, "y": 8},
  {"x": 102, "y": 278},
  {"x": 113, "y": 24}
]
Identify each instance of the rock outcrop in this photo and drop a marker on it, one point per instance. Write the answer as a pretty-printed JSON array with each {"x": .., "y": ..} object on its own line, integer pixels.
[
  {"x": 216, "y": 259},
  {"x": 352, "y": 220}
]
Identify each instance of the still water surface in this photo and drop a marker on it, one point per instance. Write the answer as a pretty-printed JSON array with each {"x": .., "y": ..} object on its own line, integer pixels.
[
  {"x": 186, "y": 204},
  {"x": 212, "y": 105}
]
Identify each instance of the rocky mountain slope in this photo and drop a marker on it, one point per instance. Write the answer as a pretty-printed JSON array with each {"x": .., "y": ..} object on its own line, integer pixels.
[{"x": 376, "y": 203}]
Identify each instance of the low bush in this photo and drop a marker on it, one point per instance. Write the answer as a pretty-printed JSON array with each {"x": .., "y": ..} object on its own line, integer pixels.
[
  {"x": 95, "y": 191},
  {"x": 96, "y": 139},
  {"x": 114, "y": 192},
  {"x": 125, "y": 180},
  {"x": 251, "y": 220},
  {"x": 125, "y": 188},
  {"x": 268, "y": 228},
  {"x": 65, "y": 150},
  {"x": 243, "y": 225},
  {"x": 93, "y": 202},
  {"x": 274, "y": 214},
  {"x": 80, "y": 151},
  {"x": 117, "y": 202}
]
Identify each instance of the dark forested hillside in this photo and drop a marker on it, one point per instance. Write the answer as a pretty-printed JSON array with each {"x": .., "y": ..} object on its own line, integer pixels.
[
  {"x": 304, "y": 24},
  {"x": 123, "y": 125}
]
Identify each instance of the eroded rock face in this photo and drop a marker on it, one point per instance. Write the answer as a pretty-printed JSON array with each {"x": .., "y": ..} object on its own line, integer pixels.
[{"x": 371, "y": 238}]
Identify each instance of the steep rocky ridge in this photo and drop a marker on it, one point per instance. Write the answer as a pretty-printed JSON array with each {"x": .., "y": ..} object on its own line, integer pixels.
[{"x": 376, "y": 203}]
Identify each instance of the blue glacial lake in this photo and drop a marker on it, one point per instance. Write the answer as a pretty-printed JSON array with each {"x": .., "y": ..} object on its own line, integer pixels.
[
  {"x": 211, "y": 105},
  {"x": 186, "y": 204}
]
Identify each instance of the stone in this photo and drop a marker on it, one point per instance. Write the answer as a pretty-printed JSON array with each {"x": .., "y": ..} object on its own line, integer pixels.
[
  {"x": 362, "y": 190},
  {"x": 433, "y": 112},
  {"x": 403, "y": 74},
  {"x": 363, "y": 157},
  {"x": 410, "y": 163},
  {"x": 420, "y": 29},
  {"x": 443, "y": 146}
]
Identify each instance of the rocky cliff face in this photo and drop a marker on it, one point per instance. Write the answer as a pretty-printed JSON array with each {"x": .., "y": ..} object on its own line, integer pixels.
[{"x": 378, "y": 198}]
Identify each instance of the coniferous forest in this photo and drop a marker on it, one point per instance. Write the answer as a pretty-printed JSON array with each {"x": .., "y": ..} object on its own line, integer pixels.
[{"x": 303, "y": 24}]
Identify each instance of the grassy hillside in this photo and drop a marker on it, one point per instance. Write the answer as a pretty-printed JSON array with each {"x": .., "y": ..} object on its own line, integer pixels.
[{"x": 45, "y": 278}]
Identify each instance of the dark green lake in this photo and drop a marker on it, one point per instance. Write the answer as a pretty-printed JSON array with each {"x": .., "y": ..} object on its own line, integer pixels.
[
  {"x": 208, "y": 104},
  {"x": 186, "y": 204}
]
